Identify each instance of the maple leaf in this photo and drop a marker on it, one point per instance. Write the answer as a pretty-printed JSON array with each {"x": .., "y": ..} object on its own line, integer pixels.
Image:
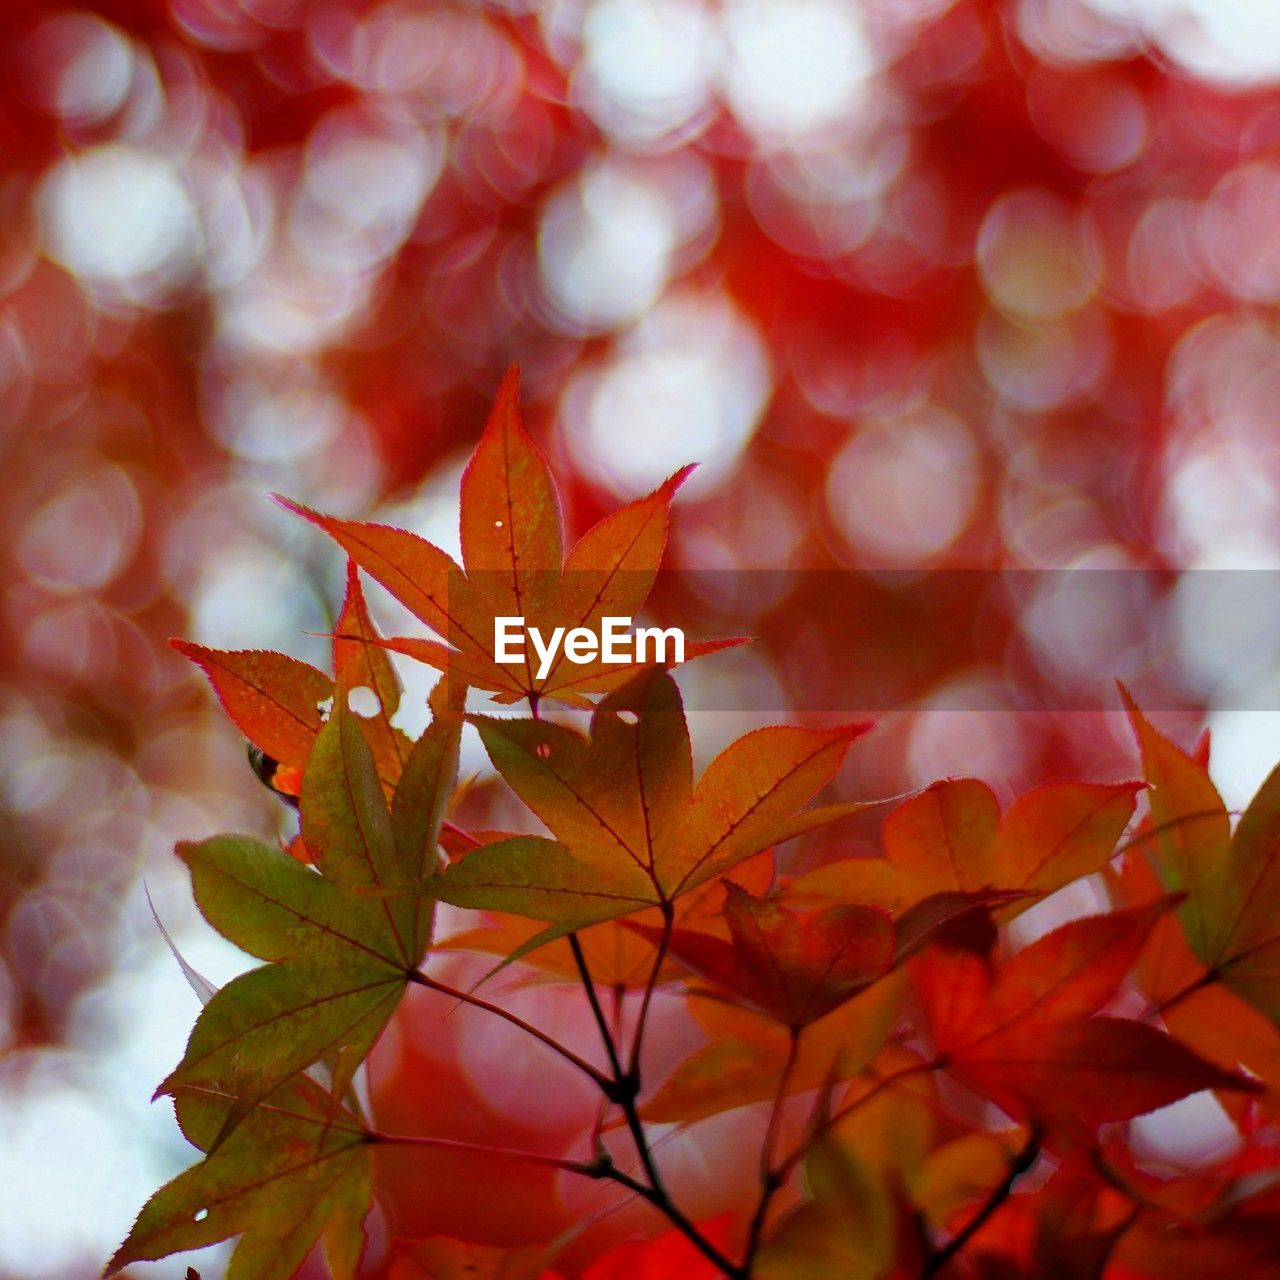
[
  {"x": 795, "y": 967},
  {"x": 952, "y": 838},
  {"x": 851, "y": 1227},
  {"x": 1231, "y": 912},
  {"x": 632, "y": 831},
  {"x": 1026, "y": 1039},
  {"x": 748, "y": 1053},
  {"x": 276, "y": 701},
  {"x": 343, "y": 943},
  {"x": 515, "y": 566},
  {"x": 616, "y": 955},
  {"x": 297, "y": 1169}
]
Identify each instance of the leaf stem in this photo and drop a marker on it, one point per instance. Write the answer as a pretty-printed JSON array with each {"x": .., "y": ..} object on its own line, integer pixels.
[
  {"x": 668, "y": 920},
  {"x": 669, "y": 1210},
  {"x": 770, "y": 1178},
  {"x": 1020, "y": 1164},
  {"x": 600, "y": 1169},
  {"x": 597, "y": 1011},
  {"x": 1206, "y": 979},
  {"x": 459, "y": 834},
  {"x": 623, "y": 1090},
  {"x": 788, "y": 1165},
  {"x": 422, "y": 979},
  {"x": 479, "y": 1148}
]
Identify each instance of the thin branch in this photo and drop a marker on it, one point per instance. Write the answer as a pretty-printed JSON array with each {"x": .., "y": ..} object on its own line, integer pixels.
[
  {"x": 1146, "y": 835},
  {"x": 433, "y": 984},
  {"x": 775, "y": 1116},
  {"x": 668, "y": 920},
  {"x": 1208, "y": 978},
  {"x": 663, "y": 1203},
  {"x": 1021, "y": 1163},
  {"x": 586, "y": 1168},
  {"x": 770, "y": 1179},
  {"x": 788, "y": 1165},
  {"x": 459, "y": 834},
  {"x": 597, "y": 1011}
]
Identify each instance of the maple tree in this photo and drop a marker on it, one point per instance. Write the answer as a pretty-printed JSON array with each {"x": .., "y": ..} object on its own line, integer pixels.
[{"x": 934, "y": 1097}]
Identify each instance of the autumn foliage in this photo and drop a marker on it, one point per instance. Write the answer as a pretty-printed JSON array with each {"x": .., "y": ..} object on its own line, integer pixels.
[{"x": 942, "y": 1087}]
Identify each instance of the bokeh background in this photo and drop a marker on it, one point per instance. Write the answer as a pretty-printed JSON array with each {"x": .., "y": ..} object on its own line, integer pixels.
[{"x": 923, "y": 285}]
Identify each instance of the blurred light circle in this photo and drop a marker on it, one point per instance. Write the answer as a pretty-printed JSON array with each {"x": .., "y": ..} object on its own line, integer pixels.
[
  {"x": 901, "y": 490},
  {"x": 284, "y": 307},
  {"x": 85, "y": 533},
  {"x": 119, "y": 215},
  {"x": 429, "y": 61},
  {"x": 1235, "y": 42},
  {"x": 1164, "y": 258},
  {"x": 247, "y": 600},
  {"x": 1076, "y": 32},
  {"x": 237, "y": 215},
  {"x": 80, "y": 67},
  {"x": 73, "y": 1167},
  {"x": 969, "y": 726},
  {"x": 1035, "y": 257},
  {"x": 364, "y": 186},
  {"x": 1098, "y": 122},
  {"x": 687, "y": 385},
  {"x": 1227, "y": 629},
  {"x": 49, "y": 916},
  {"x": 647, "y": 65},
  {"x": 272, "y": 422},
  {"x": 795, "y": 67},
  {"x": 1238, "y": 231},
  {"x": 1233, "y": 391},
  {"x": 1222, "y": 510},
  {"x": 9, "y": 998},
  {"x": 1089, "y": 617},
  {"x": 1044, "y": 366},
  {"x": 1045, "y": 526},
  {"x": 72, "y": 640},
  {"x": 605, "y": 246},
  {"x": 824, "y": 203}
]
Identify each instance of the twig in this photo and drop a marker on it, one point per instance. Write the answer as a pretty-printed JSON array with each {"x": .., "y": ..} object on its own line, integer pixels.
[
  {"x": 788, "y": 1165},
  {"x": 597, "y": 1012},
  {"x": 668, "y": 920},
  {"x": 584, "y": 1167},
  {"x": 1021, "y": 1163},
  {"x": 771, "y": 1179},
  {"x": 623, "y": 1090},
  {"x": 426, "y": 980}
]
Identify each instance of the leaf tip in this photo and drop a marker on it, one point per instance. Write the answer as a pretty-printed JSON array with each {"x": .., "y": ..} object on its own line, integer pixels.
[
  {"x": 1127, "y": 698},
  {"x": 295, "y": 508},
  {"x": 854, "y": 729},
  {"x": 676, "y": 479}
]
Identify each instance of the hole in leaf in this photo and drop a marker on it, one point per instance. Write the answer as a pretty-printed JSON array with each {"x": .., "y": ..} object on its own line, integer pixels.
[
  {"x": 364, "y": 702},
  {"x": 324, "y": 706},
  {"x": 543, "y": 750},
  {"x": 200, "y": 1215},
  {"x": 628, "y": 717},
  {"x": 497, "y": 524}
]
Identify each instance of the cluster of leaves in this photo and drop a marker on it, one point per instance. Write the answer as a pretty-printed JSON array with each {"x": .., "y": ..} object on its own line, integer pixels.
[{"x": 935, "y": 1099}]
